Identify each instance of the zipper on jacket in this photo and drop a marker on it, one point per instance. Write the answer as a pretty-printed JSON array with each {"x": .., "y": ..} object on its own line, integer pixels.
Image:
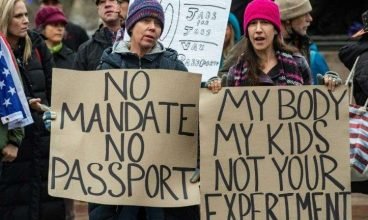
[{"x": 140, "y": 62}]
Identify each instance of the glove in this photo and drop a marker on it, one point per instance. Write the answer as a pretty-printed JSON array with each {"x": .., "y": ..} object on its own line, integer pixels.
[
  {"x": 47, "y": 117},
  {"x": 196, "y": 176},
  {"x": 329, "y": 75}
]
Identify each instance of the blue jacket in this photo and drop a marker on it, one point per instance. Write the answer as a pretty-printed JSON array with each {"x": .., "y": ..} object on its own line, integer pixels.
[{"x": 318, "y": 63}]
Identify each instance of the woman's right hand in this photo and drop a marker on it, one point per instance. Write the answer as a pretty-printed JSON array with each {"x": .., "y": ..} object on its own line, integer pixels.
[
  {"x": 214, "y": 84},
  {"x": 9, "y": 153},
  {"x": 35, "y": 104}
]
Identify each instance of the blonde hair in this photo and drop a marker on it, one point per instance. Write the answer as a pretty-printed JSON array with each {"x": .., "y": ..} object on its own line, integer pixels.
[{"x": 6, "y": 16}]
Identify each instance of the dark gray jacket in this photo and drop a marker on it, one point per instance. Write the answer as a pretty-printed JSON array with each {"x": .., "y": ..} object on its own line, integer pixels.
[{"x": 89, "y": 53}]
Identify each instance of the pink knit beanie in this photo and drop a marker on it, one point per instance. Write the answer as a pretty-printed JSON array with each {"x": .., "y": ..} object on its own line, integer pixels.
[{"x": 262, "y": 9}]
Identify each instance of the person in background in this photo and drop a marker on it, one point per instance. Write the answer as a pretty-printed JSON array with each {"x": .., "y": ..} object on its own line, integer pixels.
[
  {"x": 124, "y": 4},
  {"x": 51, "y": 22},
  {"x": 89, "y": 53},
  {"x": 74, "y": 35},
  {"x": 232, "y": 35},
  {"x": 296, "y": 18},
  {"x": 266, "y": 60},
  {"x": 348, "y": 54},
  {"x": 237, "y": 8},
  {"x": 10, "y": 139},
  {"x": 23, "y": 186}
]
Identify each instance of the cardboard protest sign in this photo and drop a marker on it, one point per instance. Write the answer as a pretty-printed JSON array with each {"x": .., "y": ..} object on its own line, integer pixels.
[
  {"x": 125, "y": 137},
  {"x": 196, "y": 30},
  {"x": 275, "y": 153}
]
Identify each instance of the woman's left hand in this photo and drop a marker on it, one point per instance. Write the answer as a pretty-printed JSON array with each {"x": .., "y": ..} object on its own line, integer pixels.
[{"x": 332, "y": 81}]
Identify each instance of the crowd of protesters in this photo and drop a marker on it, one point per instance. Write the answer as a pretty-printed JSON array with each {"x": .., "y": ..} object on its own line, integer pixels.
[{"x": 271, "y": 49}]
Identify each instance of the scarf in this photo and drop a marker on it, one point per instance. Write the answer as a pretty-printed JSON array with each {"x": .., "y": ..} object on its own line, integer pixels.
[
  {"x": 289, "y": 73},
  {"x": 56, "y": 49}
]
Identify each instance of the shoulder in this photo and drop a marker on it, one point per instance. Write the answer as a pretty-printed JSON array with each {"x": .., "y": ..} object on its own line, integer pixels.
[
  {"x": 170, "y": 54},
  {"x": 109, "y": 59},
  {"x": 67, "y": 51},
  {"x": 35, "y": 36},
  {"x": 172, "y": 61},
  {"x": 36, "y": 39},
  {"x": 85, "y": 45}
]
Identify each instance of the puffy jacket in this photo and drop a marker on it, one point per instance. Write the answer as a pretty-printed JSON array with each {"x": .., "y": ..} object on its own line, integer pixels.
[{"x": 23, "y": 186}]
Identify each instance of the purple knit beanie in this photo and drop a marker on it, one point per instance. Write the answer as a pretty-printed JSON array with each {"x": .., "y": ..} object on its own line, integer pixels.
[
  {"x": 262, "y": 9},
  {"x": 140, "y": 9}
]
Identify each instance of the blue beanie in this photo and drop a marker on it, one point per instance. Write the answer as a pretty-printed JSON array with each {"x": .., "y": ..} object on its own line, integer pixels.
[{"x": 140, "y": 9}]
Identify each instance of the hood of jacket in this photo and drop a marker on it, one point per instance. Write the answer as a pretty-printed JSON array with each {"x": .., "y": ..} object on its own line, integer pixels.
[
  {"x": 351, "y": 51},
  {"x": 113, "y": 56},
  {"x": 122, "y": 47}
]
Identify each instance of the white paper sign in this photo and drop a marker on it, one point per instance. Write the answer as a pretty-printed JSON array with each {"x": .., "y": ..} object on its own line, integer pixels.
[{"x": 196, "y": 29}]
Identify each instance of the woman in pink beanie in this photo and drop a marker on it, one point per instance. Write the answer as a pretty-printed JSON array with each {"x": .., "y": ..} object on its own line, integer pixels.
[{"x": 267, "y": 60}]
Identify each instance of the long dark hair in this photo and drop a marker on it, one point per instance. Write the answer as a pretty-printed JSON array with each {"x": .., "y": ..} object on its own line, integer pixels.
[{"x": 252, "y": 60}]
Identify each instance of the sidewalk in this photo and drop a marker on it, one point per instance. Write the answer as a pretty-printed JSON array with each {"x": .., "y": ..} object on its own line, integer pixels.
[
  {"x": 359, "y": 210},
  {"x": 360, "y": 206}
]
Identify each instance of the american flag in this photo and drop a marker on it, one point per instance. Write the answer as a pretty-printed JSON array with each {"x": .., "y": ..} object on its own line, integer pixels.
[{"x": 14, "y": 110}]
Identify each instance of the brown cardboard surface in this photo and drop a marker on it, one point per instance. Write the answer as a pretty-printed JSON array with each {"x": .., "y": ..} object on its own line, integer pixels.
[
  {"x": 125, "y": 137},
  {"x": 275, "y": 153}
]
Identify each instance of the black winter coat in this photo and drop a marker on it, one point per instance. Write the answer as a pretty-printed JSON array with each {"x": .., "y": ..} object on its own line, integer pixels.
[
  {"x": 23, "y": 184},
  {"x": 90, "y": 52},
  {"x": 64, "y": 59},
  {"x": 348, "y": 55}
]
